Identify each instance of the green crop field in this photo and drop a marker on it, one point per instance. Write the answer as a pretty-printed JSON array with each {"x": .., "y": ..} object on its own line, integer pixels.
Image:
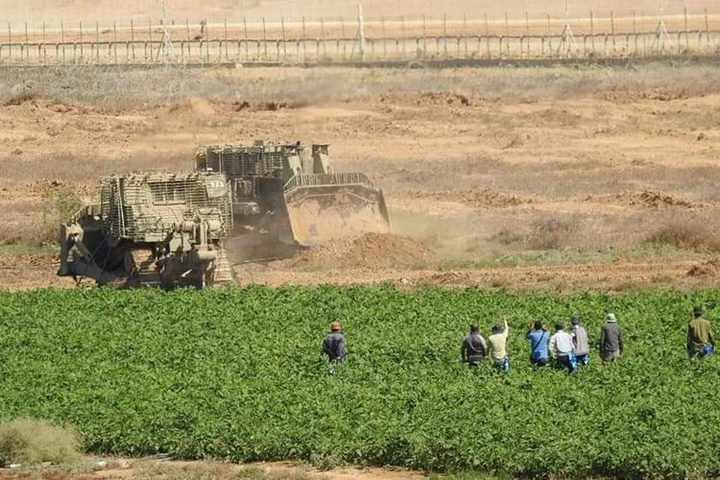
[{"x": 237, "y": 374}]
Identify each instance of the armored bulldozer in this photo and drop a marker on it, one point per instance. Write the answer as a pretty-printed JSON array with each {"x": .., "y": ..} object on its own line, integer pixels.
[
  {"x": 155, "y": 229},
  {"x": 292, "y": 195}
]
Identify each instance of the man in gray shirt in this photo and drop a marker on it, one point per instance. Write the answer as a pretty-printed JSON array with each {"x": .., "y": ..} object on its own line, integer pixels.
[
  {"x": 611, "y": 340},
  {"x": 580, "y": 341},
  {"x": 334, "y": 344},
  {"x": 473, "y": 347}
]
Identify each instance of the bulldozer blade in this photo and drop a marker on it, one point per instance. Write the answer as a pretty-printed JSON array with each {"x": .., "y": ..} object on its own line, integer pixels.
[{"x": 319, "y": 210}]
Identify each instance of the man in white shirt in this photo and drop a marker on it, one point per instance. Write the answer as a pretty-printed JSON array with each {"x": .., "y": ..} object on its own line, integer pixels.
[{"x": 562, "y": 348}]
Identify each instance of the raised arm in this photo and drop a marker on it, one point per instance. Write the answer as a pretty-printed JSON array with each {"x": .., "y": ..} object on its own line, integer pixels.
[{"x": 711, "y": 335}]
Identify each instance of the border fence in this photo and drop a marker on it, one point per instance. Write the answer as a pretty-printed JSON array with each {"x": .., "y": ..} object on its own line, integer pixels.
[{"x": 357, "y": 41}]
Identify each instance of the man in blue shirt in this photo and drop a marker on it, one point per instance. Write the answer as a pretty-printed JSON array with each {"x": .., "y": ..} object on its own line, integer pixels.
[
  {"x": 539, "y": 338},
  {"x": 334, "y": 344}
]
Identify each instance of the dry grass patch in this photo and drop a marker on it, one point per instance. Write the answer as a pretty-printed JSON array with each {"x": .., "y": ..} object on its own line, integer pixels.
[
  {"x": 686, "y": 235},
  {"x": 548, "y": 233},
  {"x": 29, "y": 442}
]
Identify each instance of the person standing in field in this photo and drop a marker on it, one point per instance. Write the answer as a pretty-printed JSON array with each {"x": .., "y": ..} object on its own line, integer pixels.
[
  {"x": 497, "y": 347},
  {"x": 473, "y": 347},
  {"x": 561, "y": 348},
  {"x": 611, "y": 340},
  {"x": 539, "y": 337},
  {"x": 334, "y": 344},
  {"x": 580, "y": 341},
  {"x": 700, "y": 336}
]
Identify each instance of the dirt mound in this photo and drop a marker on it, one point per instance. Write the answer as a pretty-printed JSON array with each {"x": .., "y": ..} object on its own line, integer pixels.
[
  {"x": 658, "y": 94},
  {"x": 448, "y": 278},
  {"x": 709, "y": 268},
  {"x": 192, "y": 106},
  {"x": 370, "y": 249},
  {"x": 441, "y": 99},
  {"x": 644, "y": 199},
  {"x": 476, "y": 197}
]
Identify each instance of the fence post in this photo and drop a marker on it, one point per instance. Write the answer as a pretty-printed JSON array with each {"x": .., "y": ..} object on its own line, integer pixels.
[
  {"x": 361, "y": 32},
  {"x": 132, "y": 40},
  {"x": 445, "y": 35},
  {"x": 642, "y": 22},
  {"x": 26, "y": 48},
  {"x": 687, "y": 33},
  {"x": 82, "y": 47},
  {"x": 424, "y": 36},
  {"x": 246, "y": 38},
  {"x": 227, "y": 58},
  {"x": 265, "y": 35},
  {"x": 592, "y": 32},
  {"x": 549, "y": 35},
  {"x": 322, "y": 35},
  {"x": 282, "y": 24},
  {"x": 487, "y": 36},
  {"x": 465, "y": 32},
  {"x": 612, "y": 30},
  {"x": 62, "y": 39},
  {"x": 507, "y": 34},
  {"x": 707, "y": 29},
  {"x": 44, "y": 50},
  {"x": 97, "y": 41},
  {"x": 304, "y": 40}
]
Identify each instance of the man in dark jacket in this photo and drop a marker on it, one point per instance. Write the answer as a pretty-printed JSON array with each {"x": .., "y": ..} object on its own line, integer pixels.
[
  {"x": 611, "y": 340},
  {"x": 473, "y": 347},
  {"x": 700, "y": 335},
  {"x": 334, "y": 344}
]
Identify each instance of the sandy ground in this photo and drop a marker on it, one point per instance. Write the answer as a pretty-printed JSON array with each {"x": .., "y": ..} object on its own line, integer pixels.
[
  {"x": 128, "y": 469},
  {"x": 544, "y": 188}
]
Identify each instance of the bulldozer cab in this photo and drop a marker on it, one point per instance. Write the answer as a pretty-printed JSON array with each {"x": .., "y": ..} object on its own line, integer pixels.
[{"x": 293, "y": 193}]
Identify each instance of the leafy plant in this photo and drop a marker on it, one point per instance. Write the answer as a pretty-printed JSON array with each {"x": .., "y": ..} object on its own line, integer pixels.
[{"x": 237, "y": 374}]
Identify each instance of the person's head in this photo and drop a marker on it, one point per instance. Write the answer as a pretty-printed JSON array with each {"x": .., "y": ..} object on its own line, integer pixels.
[
  {"x": 497, "y": 328},
  {"x": 611, "y": 318},
  {"x": 538, "y": 325},
  {"x": 697, "y": 311},
  {"x": 559, "y": 326},
  {"x": 575, "y": 320},
  {"x": 474, "y": 328},
  {"x": 335, "y": 326}
]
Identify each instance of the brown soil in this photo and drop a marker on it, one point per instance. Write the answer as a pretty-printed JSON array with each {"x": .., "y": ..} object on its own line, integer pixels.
[
  {"x": 474, "y": 174},
  {"x": 368, "y": 250},
  {"x": 146, "y": 469},
  {"x": 615, "y": 276},
  {"x": 476, "y": 197},
  {"x": 709, "y": 268},
  {"x": 645, "y": 199}
]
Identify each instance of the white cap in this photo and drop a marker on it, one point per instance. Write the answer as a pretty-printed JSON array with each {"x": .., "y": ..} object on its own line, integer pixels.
[{"x": 611, "y": 318}]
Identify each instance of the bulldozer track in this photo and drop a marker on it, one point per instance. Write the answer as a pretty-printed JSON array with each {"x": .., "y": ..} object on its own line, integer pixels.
[
  {"x": 145, "y": 268},
  {"x": 224, "y": 274}
]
